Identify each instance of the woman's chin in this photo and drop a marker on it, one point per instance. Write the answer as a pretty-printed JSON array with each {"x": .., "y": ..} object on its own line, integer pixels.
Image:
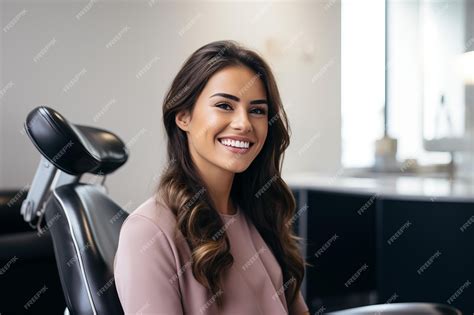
[{"x": 235, "y": 167}]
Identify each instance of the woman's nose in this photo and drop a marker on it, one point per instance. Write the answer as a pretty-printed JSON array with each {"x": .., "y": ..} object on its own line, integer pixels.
[{"x": 241, "y": 121}]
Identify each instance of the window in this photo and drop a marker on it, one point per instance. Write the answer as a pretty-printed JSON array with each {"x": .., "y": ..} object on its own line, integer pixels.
[
  {"x": 421, "y": 35},
  {"x": 362, "y": 79}
]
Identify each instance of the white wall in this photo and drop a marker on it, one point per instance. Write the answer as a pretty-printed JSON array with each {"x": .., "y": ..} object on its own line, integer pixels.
[{"x": 298, "y": 38}]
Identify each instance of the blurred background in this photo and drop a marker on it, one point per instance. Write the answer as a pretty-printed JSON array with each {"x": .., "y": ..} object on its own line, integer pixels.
[{"x": 380, "y": 99}]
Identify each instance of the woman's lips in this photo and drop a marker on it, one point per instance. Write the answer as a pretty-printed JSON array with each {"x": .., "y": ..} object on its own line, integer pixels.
[{"x": 234, "y": 149}]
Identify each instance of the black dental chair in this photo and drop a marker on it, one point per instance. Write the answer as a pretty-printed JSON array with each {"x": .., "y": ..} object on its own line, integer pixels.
[{"x": 84, "y": 223}]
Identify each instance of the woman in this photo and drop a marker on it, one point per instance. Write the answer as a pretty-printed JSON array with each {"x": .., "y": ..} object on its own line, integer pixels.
[{"x": 217, "y": 236}]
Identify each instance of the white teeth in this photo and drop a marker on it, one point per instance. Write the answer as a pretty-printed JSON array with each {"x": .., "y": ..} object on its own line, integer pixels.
[{"x": 235, "y": 143}]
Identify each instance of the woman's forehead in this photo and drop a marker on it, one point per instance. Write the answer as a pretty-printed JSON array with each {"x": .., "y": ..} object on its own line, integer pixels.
[{"x": 239, "y": 81}]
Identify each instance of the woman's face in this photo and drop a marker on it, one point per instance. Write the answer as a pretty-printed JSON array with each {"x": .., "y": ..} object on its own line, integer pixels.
[{"x": 229, "y": 123}]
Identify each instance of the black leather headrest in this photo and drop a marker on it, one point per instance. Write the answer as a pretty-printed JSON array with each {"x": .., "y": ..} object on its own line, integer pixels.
[{"x": 74, "y": 149}]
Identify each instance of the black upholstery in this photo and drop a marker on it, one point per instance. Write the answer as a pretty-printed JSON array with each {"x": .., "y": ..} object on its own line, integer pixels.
[
  {"x": 85, "y": 226},
  {"x": 72, "y": 148},
  {"x": 83, "y": 222},
  {"x": 401, "y": 309}
]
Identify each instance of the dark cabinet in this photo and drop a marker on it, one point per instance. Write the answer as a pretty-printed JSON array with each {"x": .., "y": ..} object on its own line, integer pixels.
[{"x": 367, "y": 248}]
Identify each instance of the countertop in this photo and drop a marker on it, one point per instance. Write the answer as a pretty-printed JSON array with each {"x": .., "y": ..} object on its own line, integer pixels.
[{"x": 389, "y": 185}]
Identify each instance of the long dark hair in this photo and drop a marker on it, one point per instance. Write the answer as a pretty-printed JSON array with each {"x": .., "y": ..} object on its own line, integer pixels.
[{"x": 259, "y": 191}]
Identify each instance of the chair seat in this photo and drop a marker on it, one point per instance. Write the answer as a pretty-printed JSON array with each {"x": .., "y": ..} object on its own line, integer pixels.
[{"x": 401, "y": 309}]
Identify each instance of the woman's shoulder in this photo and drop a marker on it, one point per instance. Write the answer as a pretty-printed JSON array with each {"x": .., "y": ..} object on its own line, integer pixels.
[
  {"x": 152, "y": 214},
  {"x": 146, "y": 260}
]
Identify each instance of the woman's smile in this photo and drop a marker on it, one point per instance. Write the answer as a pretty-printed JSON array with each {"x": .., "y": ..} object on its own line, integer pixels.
[{"x": 240, "y": 147}]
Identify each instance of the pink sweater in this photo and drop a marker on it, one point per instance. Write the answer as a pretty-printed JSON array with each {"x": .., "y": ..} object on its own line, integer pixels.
[{"x": 153, "y": 273}]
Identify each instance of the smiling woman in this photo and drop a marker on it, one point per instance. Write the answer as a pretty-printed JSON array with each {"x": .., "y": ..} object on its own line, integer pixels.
[
  {"x": 218, "y": 229},
  {"x": 223, "y": 124}
]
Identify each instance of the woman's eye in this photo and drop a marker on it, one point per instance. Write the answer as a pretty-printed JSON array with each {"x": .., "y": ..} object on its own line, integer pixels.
[
  {"x": 259, "y": 111},
  {"x": 223, "y": 105},
  {"x": 226, "y": 107}
]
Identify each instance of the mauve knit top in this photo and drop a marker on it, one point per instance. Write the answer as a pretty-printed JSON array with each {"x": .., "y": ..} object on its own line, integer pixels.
[{"x": 153, "y": 273}]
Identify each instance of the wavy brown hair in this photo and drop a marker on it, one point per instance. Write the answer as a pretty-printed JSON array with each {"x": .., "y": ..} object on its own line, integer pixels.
[{"x": 259, "y": 191}]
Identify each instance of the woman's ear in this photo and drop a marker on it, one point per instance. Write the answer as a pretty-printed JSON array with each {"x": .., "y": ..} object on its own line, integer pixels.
[{"x": 182, "y": 119}]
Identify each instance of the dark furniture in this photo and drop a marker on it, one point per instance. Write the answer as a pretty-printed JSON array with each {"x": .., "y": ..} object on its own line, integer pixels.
[{"x": 369, "y": 248}]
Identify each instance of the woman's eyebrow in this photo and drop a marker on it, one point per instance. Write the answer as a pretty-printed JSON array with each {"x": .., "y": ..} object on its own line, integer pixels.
[{"x": 235, "y": 98}]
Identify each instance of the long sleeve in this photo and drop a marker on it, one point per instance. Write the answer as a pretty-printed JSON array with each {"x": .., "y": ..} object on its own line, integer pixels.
[
  {"x": 145, "y": 269},
  {"x": 299, "y": 306}
]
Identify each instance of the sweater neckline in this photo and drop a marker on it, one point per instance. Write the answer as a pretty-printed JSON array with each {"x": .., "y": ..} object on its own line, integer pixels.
[{"x": 230, "y": 216}]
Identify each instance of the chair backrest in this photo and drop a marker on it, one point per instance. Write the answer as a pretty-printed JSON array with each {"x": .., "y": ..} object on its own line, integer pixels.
[{"x": 84, "y": 223}]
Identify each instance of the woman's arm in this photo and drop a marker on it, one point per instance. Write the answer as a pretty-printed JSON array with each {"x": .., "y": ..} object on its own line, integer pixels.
[{"x": 145, "y": 268}]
